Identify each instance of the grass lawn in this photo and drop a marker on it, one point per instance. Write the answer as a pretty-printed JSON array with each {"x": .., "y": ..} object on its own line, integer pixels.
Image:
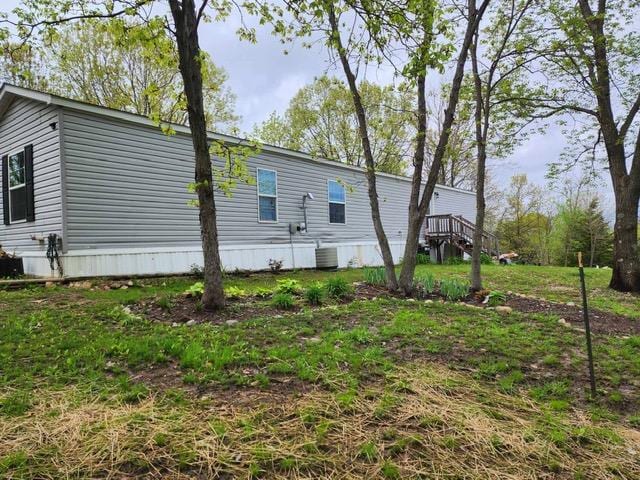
[{"x": 384, "y": 388}]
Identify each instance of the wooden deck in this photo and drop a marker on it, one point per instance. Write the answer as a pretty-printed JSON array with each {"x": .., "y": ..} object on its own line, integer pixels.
[{"x": 458, "y": 232}]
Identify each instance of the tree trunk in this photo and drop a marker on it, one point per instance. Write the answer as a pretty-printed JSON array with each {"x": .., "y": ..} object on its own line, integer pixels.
[
  {"x": 626, "y": 263},
  {"x": 186, "y": 30},
  {"x": 416, "y": 221},
  {"x": 370, "y": 172},
  {"x": 481, "y": 128}
]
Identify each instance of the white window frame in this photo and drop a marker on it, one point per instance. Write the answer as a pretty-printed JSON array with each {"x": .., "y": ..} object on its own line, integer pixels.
[
  {"x": 329, "y": 202},
  {"x": 258, "y": 194},
  {"x": 15, "y": 187}
]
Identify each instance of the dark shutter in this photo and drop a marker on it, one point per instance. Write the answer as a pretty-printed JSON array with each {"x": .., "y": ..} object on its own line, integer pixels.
[
  {"x": 5, "y": 189},
  {"x": 28, "y": 180}
]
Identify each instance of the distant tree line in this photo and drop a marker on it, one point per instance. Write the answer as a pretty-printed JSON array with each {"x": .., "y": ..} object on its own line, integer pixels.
[{"x": 548, "y": 232}]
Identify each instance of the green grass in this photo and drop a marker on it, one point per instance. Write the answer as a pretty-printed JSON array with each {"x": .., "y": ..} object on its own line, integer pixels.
[{"x": 84, "y": 350}]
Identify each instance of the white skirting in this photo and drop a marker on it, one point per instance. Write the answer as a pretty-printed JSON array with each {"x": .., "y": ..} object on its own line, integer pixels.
[{"x": 175, "y": 260}]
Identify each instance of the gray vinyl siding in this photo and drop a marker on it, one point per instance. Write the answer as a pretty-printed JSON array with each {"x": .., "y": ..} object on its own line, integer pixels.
[
  {"x": 126, "y": 186},
  {"x": 455, "y": 202},
  {"x": 28, "y": 122}
]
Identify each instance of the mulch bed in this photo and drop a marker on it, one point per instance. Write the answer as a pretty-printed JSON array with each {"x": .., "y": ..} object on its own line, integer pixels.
[
  {"x": 601, "y": 322},
  {"x": 184, "y": 309}
]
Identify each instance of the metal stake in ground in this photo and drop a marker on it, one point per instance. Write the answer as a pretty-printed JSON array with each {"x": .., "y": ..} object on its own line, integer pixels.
[{"x": 587, "y": 327}]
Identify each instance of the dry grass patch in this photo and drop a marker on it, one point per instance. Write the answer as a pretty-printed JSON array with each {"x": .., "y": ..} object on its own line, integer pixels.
[{"x": 424, "y": 422}]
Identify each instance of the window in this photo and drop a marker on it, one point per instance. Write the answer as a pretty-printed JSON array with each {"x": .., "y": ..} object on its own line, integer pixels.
[
  {"x": 337, "y": 202},
  {"x": 17, "y": 188},
  {"x": 267, "y": 195}
]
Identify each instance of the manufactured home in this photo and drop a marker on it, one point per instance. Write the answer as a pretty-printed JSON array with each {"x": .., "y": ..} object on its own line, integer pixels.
[{"x": 108, "y": 191}]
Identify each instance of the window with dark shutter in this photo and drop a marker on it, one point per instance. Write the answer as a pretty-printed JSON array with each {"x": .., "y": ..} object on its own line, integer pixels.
[
  {"x": 5, "y": 189},
  {"x": 17, "y": 186}
]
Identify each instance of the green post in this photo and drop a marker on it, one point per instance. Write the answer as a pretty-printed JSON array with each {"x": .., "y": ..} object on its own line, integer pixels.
[{"x": 587, "y": 327}]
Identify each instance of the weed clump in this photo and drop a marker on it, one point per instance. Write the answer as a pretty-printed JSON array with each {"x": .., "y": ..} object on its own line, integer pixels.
[
  {"x": 314, "y": 294},
  {"x": 497, "y": 298},
  {"x": 454, "y": 290},
  {"x": 337, "y": 287},
  {"x": 283, "y": 301},
  {"x": 423, "y": 259},
  {"x": 425, "y": 283},
  {"x": 374, "y": 275}
]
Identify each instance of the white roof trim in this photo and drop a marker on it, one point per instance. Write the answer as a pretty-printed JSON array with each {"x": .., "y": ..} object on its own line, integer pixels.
[{"x": 12, "y": 90}]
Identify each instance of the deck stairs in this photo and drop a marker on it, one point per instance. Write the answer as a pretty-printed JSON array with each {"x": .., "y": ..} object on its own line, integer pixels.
[{"x": 457, "y": 231}]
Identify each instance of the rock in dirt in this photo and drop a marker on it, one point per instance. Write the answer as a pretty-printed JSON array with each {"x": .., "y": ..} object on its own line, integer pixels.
[
  {"x": 562, "y": 321},
  {"x": 428, "y": 301},
  {"x": 231, "y": 322},
  {"x": 571, "y": 304},
  {"x": 190, "y": 322},
  {"x": 504, "y": 309},
  {"x": 50, "y": 284},
  {"x": 83, "y": 285}
]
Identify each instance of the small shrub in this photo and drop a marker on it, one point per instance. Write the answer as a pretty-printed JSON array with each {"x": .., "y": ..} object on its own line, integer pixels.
[
  {"x": 454, "y": 290},
  {"x": 314, "y": 294},
  {"x": 263, "y": 292},
  {"x": 165, "y": 303},
  {"x": 195, "y": 290},
  {"x": 486, "y": 259},
  {"x": 337, "y": 287},
  {"x": 375, "y": 275},
  {"x": 196, "y": 270},
  {"x": 423, "y": 259},
  {"x": 496, "y": 298},
  {"x": 234, "y": 293},
  {"x": 275, "y": 265},
  {"x": 425, "y": 282},
  {"x": 289, "y": 285},
  {"x": 453, "y": 260},
  {"x": 283, "y": 301}
]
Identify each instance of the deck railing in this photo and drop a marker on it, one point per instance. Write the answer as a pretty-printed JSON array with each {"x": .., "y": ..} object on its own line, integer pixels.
[{"x": 454, "y": 228}]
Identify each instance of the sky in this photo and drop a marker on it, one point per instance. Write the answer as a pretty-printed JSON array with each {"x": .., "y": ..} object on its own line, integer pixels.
[{"x": 264, "y": 79}]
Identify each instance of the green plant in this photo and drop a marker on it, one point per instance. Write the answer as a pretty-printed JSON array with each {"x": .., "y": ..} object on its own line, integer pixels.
[
  {"x": 289, "y": 285},
  {"x": 454, "y": 290},
  {"x": 234, "y": 292},
  {"x": 453, "y": 260},
  {"x": 486, "y": 259},
  {"x": 314, "y": 294},
  {"x": 374, "y": 275},
  {"x": 422, "y": 259},
  {"x": 165, "y": 303},
  {"x": 496, "y": 298},
  {"x": 263, "y": 292},
  {"x": 337, "y": 287},
  {"x": 283, "y": 301},
  {"x": 195, "y": 290},
  {"x": 196, "y": 270},
  {"x": 426, "y": 282}
]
